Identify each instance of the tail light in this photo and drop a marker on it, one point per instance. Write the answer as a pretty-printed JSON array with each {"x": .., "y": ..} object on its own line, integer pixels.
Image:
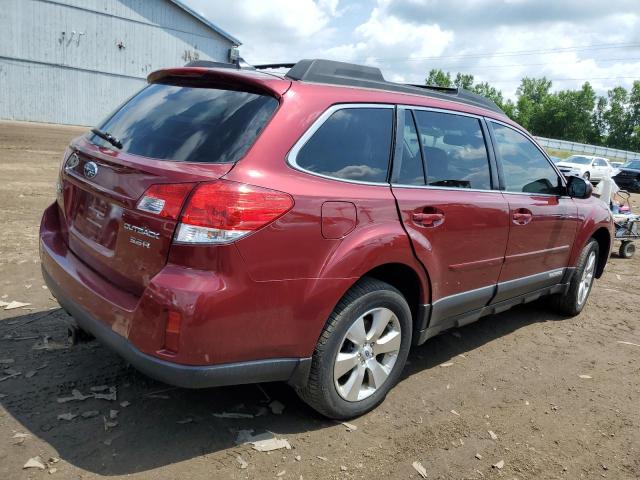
[
  {"x": 224, "y": 211},
  {"x": 165, "y": 200}
]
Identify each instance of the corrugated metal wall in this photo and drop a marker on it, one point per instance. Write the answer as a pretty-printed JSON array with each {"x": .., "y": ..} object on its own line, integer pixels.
[{"x": 74, "y": 61}]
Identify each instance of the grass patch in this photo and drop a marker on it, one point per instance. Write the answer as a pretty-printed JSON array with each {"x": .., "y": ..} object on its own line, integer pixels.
[{"x": 558, "y": 153}]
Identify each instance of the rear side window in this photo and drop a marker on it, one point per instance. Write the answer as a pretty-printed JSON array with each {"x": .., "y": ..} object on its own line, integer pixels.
[
  {"x": 352, "y": 144},
  {"x": 454, "y": 150},
  {"x": 524, "y": 167},
  {"x": 188, "y": 124}
]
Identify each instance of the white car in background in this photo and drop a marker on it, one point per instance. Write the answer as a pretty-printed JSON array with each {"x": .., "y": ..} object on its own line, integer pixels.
[{"x": 586, "y": 166}]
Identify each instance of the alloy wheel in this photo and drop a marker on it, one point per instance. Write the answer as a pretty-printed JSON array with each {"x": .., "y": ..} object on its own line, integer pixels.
[
  {"x": 367, "y": 354},
  {"x": 587, "y": 278}
]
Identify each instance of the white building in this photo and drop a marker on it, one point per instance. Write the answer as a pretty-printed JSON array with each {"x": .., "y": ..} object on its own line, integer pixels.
[{"x": 74, "y": 61}]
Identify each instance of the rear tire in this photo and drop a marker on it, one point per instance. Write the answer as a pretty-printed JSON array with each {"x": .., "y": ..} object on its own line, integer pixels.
[
  {"x": 627, "y": 249},
  {"x": 364, "y": 344},
  {"x": 572, "y": 303}
]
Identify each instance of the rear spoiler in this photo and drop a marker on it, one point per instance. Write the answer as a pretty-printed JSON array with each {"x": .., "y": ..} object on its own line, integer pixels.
[{"x": 227, "y": 78}]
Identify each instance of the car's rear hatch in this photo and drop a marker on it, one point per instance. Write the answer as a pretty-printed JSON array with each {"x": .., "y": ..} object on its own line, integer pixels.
[{"x": 190, "y": 127}]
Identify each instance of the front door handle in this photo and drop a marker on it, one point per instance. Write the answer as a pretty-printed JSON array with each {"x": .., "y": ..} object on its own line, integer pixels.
[
  {"x": 522, "y": 216},
  {"x": 428, "y": 218}
]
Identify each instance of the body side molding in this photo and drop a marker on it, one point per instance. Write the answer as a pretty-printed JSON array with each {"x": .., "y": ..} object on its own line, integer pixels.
[{"x": 467, "y": 307}]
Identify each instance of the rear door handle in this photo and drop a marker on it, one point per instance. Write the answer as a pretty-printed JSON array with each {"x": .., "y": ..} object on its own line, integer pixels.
[
  {"x": 425, "y": 219},
  {"x": 522, "y": 216}
]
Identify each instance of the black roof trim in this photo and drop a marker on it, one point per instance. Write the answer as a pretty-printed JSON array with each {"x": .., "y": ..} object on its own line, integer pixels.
[
  {"x": 352, "y": 75},
  {"x": 328, "y": 71},
  {"x": 212, "y": 64},
  {"x": 238, "y": 65},
  {"x": 273, "y": 65}
]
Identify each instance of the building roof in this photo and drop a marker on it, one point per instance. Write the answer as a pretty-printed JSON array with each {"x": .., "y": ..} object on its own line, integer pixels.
[{"x": 213, "y": 27}]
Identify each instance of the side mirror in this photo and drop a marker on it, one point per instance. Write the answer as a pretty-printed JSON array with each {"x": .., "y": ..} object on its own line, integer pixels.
[{"x": 578, "y": 187}]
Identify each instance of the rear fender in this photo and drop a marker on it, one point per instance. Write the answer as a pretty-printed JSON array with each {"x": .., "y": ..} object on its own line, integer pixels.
[{"x": 371, "y": 247}]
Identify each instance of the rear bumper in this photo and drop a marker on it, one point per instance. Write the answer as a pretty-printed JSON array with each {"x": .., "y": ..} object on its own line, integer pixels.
[
  {"x": 292, "y": 370},
  {"x": 233, "y": 330}
]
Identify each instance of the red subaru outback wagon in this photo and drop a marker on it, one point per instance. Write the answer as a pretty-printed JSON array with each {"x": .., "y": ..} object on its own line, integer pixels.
[{"x": 230, "y": 226}]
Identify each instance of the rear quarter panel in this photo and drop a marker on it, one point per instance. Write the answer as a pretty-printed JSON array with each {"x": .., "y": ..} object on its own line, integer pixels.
[{"x": 293, "y": 248}]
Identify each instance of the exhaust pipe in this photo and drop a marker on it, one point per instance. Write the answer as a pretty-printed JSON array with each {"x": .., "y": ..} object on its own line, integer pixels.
[{"x": 77, "y": 335}]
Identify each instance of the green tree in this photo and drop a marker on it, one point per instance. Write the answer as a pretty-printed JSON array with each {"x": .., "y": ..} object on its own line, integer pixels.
[
  {"x": 634, "y": 114},
  {"x": 531, "y": 94},
  {"x": 599, "y": 123},
  {"x": 618, "y": 119},
  {"x": 438, "y": 78},
  {"x": 464, "y": 81},
  {"x": 566, "y": 115},
  {"x": 492, "y": 93},
  {"x": 576, "y": 115}
]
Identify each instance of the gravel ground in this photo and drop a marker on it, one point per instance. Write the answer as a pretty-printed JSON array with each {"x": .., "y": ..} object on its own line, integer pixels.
[{"x": 550, "y": 397}]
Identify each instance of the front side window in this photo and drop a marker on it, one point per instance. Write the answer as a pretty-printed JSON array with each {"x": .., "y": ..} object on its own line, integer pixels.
[
  {"x": 454, "y": 150},
  {"x": 524, "y": 167},
  {"x": 352, "y": 144},
  {"x": 189, "y": 124}
]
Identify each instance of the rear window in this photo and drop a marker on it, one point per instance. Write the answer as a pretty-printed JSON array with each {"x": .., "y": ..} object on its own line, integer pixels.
[{"x": 189, "y": 124}]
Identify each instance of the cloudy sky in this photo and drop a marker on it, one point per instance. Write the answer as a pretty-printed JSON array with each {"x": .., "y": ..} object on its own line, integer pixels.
[{"x": 568, "y": 41}]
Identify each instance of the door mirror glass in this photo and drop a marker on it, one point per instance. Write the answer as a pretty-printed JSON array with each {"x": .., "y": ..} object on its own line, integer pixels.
[{"x": 578, "y": 187}]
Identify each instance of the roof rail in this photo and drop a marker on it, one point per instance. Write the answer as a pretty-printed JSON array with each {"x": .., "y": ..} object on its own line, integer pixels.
[{"x": 349, "y": 74}]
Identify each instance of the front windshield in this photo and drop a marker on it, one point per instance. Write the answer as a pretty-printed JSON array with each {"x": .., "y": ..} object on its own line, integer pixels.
[
  {"x": 632, "y": 164},
  {"x": 579, "y": 159}
]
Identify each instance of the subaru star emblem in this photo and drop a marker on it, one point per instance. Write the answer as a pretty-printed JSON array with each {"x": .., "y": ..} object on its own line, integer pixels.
[{"x": 90, "y": 169}]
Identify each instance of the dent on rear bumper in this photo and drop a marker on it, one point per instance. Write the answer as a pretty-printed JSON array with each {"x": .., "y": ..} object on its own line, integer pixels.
[{"x": 293, "y": 370}]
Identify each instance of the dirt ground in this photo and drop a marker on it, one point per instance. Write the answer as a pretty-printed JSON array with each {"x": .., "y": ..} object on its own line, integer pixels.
[{"x": 562, "y": 396}]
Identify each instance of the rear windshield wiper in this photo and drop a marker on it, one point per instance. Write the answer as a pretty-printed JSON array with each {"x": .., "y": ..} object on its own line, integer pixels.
[{"x": 108, "y": 137}]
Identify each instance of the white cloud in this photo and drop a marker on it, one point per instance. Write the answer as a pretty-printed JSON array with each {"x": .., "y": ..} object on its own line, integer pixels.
[
  {"x": 384, "y": 37},
  {"x": 407, "y": 38},
  {"x": 272, "y": 30}
]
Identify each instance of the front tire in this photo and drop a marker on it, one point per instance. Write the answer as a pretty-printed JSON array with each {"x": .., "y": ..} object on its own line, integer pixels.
[
  {"x": 572, "y": 303},
  {"x": 361, "y": 352},
  {"x": 586, "y": 176}
]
